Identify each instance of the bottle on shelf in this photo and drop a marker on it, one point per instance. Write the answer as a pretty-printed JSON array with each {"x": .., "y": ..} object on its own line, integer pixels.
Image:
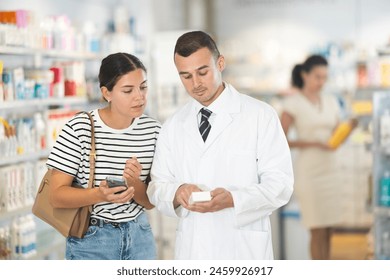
[
  {"x": 2, "y": 137},
  {"x": 40, "y": 132},
  {"x": 384, "y": 131},
  {"x": 5, "y": 250},
  {"x": 1, "y": 82},
  {"x": 16, "y": 245},
  {"x": 384, "y": 189},
  {"x": 29, "y": 236}
]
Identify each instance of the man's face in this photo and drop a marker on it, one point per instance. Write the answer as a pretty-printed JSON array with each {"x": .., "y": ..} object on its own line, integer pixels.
[{"x": 201, "y": 75}]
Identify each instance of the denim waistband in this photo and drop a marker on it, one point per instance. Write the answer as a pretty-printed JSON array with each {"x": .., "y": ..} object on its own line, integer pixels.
[{"x": 101, "y": 222}]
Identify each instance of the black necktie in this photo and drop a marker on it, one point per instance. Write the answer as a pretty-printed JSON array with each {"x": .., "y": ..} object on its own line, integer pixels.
[{"x": 205, "y": 126}]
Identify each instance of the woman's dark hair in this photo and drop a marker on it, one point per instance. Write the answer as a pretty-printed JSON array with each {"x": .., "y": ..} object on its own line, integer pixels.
[
  {"x": 190, "y": 42},
  {"x": 116, "y": 65},
  {"x": 311, "y": 62}
]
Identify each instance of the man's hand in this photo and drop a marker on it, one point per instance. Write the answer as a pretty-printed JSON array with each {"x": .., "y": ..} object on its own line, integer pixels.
[
  {"x": 220, "y": 199},
  {"x": 183, "y": 194}
]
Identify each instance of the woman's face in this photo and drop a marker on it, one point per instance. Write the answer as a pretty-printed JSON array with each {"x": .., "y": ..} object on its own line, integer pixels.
[
  {"x": 315, "y": 79},
  {"x": 128, "y": 96}
]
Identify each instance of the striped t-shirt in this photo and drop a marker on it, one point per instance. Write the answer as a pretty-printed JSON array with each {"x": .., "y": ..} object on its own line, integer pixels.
[{"x": 70, "y": 154}]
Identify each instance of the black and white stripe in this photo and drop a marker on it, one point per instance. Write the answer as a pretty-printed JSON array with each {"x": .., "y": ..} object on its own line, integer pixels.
[
  {"x": 205, "y": 125},
  {"x": 70, "y": 154}
]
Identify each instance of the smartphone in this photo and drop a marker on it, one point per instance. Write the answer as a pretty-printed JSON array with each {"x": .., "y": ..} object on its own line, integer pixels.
[{"x": 115, "y": 181}]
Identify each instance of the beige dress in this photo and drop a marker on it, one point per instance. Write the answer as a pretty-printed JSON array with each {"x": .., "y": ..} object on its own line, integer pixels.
[{"x": 317, "y": 178}]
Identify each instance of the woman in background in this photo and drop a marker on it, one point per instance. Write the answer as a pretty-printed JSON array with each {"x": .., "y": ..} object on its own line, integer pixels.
[
  {"x": 314, "y": 116},
  {"x": 125, "y": 144}
]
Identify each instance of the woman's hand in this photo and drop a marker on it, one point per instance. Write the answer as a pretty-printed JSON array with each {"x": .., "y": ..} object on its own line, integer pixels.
[
  {"x": 111, "y": 194},
  {"x": 323, "y": 146},
  {"x": 354, "y": 123},
  {"x": 132, "y": 170},
  {"x": 132, "y": 173}
]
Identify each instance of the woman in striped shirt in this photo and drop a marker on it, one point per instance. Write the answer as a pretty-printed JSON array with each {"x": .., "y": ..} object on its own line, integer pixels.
[{"x": 125, "y": 144}]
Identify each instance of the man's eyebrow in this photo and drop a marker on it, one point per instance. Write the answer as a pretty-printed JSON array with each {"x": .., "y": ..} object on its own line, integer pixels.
[
  {"x": 203, "y": 67},
  {"x": 200, "y": 68}
]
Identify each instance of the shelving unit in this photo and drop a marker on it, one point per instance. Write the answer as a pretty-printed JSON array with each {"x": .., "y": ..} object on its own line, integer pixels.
[
  {"x": 24, "y": 158},
  {"x": 50, "y": 53},
  {"x": 49, "y": 244},
  {"x": 37, "y": 104},
  {"x": 381, "y": 164}
]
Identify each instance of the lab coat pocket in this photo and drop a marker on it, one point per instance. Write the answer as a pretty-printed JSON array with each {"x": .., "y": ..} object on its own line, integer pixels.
[
  {"x": 254, "y": 245},
  {"x": 242, "y": 167}
]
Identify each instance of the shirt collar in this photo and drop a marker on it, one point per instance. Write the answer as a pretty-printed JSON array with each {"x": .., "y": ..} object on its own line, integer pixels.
[{"x": 218, "y": 104}]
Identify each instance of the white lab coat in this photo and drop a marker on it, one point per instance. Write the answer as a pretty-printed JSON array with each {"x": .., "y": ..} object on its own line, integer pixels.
[{"x": 247, "y": 153}]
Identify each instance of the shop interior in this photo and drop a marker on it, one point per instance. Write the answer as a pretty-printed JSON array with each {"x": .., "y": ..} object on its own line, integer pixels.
[{"x": 261, "y": 40}]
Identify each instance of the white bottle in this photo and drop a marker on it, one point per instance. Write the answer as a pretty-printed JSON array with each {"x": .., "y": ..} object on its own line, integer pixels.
[
  {"x": 40, "y": 130},
  {"x": 23, "y": 235},
  {"x": 2, "y": 139},
  {"x": 29, "y": 187},
  {"x": 3, "y": 244},
  {"x": 32, "y": 236},
  {"x": 8, "y": 241},
  {"x": 384, "y": 130},
  {"x": 1, "y": 82},
  {"x": 15, "y": 240}
]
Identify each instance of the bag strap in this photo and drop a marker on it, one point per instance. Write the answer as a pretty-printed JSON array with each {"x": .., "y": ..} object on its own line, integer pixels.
[{"x": 92, "y": 155}]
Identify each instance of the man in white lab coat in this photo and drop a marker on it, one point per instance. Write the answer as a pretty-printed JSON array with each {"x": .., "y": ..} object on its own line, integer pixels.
[{"x": 236, "y": 150}]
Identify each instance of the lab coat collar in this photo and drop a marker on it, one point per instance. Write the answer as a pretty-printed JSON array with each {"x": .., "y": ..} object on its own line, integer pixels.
[
  {"x": 227, "y": 102},
  {"x": 224, "y": 107}
]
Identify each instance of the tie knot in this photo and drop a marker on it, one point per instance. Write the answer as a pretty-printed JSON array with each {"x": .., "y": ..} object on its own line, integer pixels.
[{"x": 206, "y": 113}]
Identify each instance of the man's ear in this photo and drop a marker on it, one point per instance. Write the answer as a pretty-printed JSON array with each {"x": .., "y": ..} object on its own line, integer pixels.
[{"x": 221, "y": 63}]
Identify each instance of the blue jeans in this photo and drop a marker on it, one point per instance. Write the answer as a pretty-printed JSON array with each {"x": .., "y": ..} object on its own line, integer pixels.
[{"x": 129, "y": 241}]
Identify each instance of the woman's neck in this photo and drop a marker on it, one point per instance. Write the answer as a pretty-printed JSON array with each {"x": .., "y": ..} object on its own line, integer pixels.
[
  {"x": 314, "y": 97},
  {"x": 114, "y": 121}
]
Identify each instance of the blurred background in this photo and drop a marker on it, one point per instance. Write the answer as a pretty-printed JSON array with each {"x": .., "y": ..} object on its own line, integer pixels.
[{"x": 50, "y": 53}]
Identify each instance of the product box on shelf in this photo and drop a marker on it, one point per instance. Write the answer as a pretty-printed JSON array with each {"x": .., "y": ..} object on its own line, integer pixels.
[
  {"x": 384, "y": 189},
  {"x": 10, "y": 191},
  {"x": 8, "y": 86},
  {"x": 18, "y": 83},
  {"x": 381, "y": 173},
  {"x": 56, "y": 120},
  {"x": 1, "y": 82},
  {"x": 18, "y": 186}
]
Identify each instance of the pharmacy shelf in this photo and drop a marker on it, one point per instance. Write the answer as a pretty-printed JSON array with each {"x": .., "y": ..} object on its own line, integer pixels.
[
  {"x": 381, "y": 164},
  {"x": 42, "y": 103},
  {"x": 44, "y": 253},
  {"x": 24, "y": 158},
  {"x": 16, "y": 212},
  {"x": 50, "y": 246},
  {"x": 49, "y": 241},
  {"x": 50, "y": 53},
  {"x": 384, "y": 51}
]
